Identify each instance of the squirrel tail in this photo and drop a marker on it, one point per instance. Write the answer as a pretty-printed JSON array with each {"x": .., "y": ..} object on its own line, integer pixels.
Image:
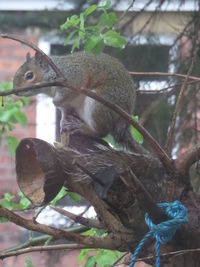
[{"x": 123, "y": 137}]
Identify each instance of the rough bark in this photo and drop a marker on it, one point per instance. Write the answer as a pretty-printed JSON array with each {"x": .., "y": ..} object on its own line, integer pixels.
[{"x": 119, "y": 210}]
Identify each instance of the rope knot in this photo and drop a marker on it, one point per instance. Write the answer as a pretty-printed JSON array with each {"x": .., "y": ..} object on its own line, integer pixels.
[{"x": 164, "y": 231}]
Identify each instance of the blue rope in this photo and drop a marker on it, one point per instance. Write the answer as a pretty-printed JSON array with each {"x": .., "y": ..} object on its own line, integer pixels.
[{"x": 164, "y": 231}]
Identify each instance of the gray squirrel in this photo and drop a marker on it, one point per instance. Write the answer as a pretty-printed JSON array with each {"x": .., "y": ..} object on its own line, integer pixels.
[{"x": 102, "y": 74}]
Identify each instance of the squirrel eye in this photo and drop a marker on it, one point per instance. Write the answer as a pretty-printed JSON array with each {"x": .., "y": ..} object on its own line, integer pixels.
[{"x": 29, "y": 75}]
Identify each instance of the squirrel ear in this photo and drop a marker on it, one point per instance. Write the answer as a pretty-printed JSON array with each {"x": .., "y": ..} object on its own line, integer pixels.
[
  {"x": 41, "y": 60},
  {"x": 28, "y": 57}
]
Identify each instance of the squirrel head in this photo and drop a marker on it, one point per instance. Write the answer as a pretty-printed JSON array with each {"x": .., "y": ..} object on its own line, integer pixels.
[{"x": 32, "y": 71}]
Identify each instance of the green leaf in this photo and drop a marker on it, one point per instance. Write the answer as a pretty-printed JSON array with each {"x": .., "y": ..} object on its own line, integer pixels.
[
  {"x": 94, "y": 44},
  {"x": 8, "y": 196},
  {"x": 74, "y": 196},
  {"x": 89, "y": 10},
  {"x": 28, "y": 262},
  {"x": 6, "y": 86},
  {"x": 135, "y": 133},
  {"x": 90, "y": 232},
  {"x": 106, "y": 258},
  {"x": 70, "y": 36},
  {"x": 59, "y": 196},
  {"x": 114, "y": 39},
  {"x": 24, "y": 202},
  {"x": 76, "y": 44},
  {"x": 20, "y": 117},
  {"x": 25, "y": 100},
  {"x": 91, "y": 260},
  {"x": 3, "y": 220},
  {"x": 82, "y": 22},
  {"x": 7, "y": 114},
  {"x": 83, "y": 254},
  {"x": 70, "y": 22},
  {"x": 7, "y": 204},
  {"x": 12, "y": 142},
  {"x": 108, "y": 19},
  {"x": 109, "y": 139}
]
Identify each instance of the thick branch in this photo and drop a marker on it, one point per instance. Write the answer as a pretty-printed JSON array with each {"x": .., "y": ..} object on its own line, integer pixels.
[
  {"x": 185, "y": 160},
  {"x": 42, "y": 170},
  {"x": 144, "y": 198},
  {"x": 29, "y": 224}
]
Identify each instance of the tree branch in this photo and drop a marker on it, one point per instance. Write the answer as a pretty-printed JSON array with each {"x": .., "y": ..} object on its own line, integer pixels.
[
  {"x": 40, "y": 249},
  {"x": 58, "y": 233},
  {"x": 35, "y": 86},
  {"x": 144, "y": 198},
  {"x": 185, "y": 160},
  {"x": 166, "y": 74},
  {"x": 163, "y": 90},
  {"x": 80, "y": 219},
  {"x": 177, "y": 106}
]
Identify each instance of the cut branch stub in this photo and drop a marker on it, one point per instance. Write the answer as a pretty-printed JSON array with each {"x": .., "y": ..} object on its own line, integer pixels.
[{"x": 34, "y": 160}]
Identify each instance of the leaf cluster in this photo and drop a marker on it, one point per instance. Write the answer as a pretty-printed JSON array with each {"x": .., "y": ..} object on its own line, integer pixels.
[
  {"x": 100, "y": 257},
  {"x": 11, "y": 114},
  {"x": 63, "y": 192},
  {"x": 94, "y": 36},
  {"x": 9, "y": 202}
]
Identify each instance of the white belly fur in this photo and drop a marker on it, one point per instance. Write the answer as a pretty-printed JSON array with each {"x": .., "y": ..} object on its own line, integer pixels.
[{"x": 85, "y": 106}]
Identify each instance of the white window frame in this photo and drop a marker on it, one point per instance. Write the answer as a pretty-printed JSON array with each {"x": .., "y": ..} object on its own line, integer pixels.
[{"x": 45, "y": 109}]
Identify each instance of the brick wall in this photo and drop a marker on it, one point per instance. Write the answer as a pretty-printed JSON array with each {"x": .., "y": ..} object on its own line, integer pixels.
[{"x": 12, "y": 55}]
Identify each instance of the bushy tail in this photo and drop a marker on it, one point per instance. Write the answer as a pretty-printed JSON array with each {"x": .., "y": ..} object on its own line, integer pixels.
[{"x": 122, "y": 135}]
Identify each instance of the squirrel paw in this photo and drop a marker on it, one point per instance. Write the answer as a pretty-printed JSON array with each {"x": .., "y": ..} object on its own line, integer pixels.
[{"x": 71, "y": 125}]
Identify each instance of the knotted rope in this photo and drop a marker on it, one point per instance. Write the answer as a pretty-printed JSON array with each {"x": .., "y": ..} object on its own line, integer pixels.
[{"x": 164, "y": 231}]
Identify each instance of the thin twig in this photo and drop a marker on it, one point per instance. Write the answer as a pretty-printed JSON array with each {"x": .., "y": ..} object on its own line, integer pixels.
[
  {"x": 79, "y": 219},
  {"x": 119, "y": 259},
  {"x": 166, "y": 74},
  {"x": 143, "y": 91},
  {"x": 32, "y": 242},
  {"x": 173, "y": 253},
  {"x": 41, "y": 248},
  {"x": 132, "y": 18},
  {"x": 151, "y": 17},
  {"x": 177, "y": 106},
  {"x": 38, "y": 213},
  {"x": 42, "y": 239},
  {"x": 35, "y": 86}
]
